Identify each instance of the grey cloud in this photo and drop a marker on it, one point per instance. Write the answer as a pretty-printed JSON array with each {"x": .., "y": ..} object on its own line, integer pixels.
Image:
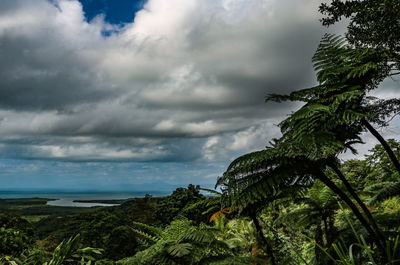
[
  {"x": 96, "y": 150},
  {"x": 175, "y": 85}
]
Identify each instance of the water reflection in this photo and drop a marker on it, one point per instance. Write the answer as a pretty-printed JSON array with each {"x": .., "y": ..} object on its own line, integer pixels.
[{"x": 70, "y": 202}]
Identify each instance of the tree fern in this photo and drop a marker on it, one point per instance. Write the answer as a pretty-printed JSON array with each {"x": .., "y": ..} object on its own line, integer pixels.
[
  {"x": 390, "y": 190},
  {"x": 319, "y": 203},
  {"x": 261, "y": 175}
]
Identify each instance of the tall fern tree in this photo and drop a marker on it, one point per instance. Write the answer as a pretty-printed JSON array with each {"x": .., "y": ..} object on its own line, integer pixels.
[
  {"x": 263, "y": 176},
  {"x": 338, "y": 110},
  {"x": 343, "y": 70}
]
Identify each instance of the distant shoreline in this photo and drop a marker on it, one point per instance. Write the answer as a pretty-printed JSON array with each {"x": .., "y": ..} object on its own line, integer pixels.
[
  {"x": 104, "y": 201},
  {"x": 70, "y": 202},
  {"x": 77, "y": 199},
  {"x": 80, "y": 195}
]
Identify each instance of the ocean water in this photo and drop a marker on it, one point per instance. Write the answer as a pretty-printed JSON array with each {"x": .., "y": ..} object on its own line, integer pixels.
[{"x": 66, "y": 198}]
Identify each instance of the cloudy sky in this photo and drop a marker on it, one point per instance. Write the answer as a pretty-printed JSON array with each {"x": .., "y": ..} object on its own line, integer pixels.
[{"x": 135, "y": 94}]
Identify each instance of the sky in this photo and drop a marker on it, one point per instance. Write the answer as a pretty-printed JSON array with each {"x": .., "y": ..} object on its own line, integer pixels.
[{"x": 133, "y": 94}]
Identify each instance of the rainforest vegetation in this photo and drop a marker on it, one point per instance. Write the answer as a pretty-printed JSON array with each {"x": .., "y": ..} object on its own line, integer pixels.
[{"x": 293, "y": 202}]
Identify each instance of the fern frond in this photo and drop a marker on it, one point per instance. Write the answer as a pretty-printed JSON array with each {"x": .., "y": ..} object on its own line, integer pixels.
[
  {"x": 388, "y": 191},
  {"x": 180, "y": 249},
  {"x": 155, "y": 231},
  {"x": 152, "y": 239}
]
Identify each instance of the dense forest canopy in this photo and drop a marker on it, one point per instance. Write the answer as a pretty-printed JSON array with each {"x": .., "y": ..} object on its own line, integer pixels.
[{"x": 293, "y": 202}]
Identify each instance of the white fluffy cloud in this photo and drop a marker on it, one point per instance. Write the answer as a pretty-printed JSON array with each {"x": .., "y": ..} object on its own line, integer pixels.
[{"x": 185, "y": 81}]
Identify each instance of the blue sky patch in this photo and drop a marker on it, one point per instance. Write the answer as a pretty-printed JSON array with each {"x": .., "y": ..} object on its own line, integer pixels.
[{"x": 115, "y": 11}]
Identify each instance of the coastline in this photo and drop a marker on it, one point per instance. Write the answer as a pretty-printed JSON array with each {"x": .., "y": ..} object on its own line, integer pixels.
[
  {"x": 84, "y": 199},
  {"x": 70, "y": 202}
]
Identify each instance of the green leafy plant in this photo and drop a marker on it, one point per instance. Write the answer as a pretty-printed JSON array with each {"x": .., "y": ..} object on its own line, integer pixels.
[
  {"x": 181, "y": 243},
  {"x": 68, "y": 252},
  {"x": 12, "y": 241}
]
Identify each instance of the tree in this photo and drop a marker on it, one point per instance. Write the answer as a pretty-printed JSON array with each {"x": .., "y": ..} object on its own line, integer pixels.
[
  {"x": 172, "y": 205},
  {"x": 383, "y": 172},
  {"x": 374, "y": 27},
  {"x": 337, "y": 110},
  {"x": 261, "y": 176},
  {"x": 207, "y": 209},
  {"x": 315, "y": 209},
  {"x": 12, "y": 241},
  {"x": 121, "y": 242},
  {"x": 372, "y": 24}
]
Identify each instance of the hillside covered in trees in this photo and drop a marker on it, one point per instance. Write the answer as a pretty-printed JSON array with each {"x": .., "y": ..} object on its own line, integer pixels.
[
  {"x": 294, "y": 202},
  {"x": 299, "y": 224}
]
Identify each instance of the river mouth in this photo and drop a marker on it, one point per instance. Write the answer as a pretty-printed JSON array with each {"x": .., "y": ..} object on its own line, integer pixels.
[{"x": 70, "y": 202}]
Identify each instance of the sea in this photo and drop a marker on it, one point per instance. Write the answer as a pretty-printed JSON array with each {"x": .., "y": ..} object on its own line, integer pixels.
[{"x": 68, "y": 198}]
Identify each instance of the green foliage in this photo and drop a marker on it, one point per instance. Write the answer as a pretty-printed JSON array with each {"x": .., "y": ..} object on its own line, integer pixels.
[
  {"x": 360, "y": 252},
  {"x": 106, "y": 228},
  {"x": 121, "y": 242},
  {"x": 382, "y": 111},
  {"x": 16, "y": 222},
  {"x": 374, "y": 29},
  {"x": 319, "y": 204},
  {"x": 64, "y": 250},
  {"x": 31, "y": 256},
  {"x": 180, "y": 243},
  {"x": 36, "y": 208},
  {"x": 332, "y": 119},
  {"x": 202, "y": 210},
  {"x": 288, "y": 189},
  {"x": 388, "y": 191},
  {"x": 294, "y": 206},
  {"x": 383, "y": 166},
  {"x": 264, "y": 176},
  {"x": 372, "y": 23},
  {"x": 68, "y": 252},
  {"x": 12, "y": 241},
  {"x": 239, "y": 234},
  {"x": 334, "y": 116},
  {"x": 171, "y": 206},
  {"x": 233, "y": 261}
]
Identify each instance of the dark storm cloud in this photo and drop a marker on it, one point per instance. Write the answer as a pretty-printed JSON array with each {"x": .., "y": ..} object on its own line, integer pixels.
[
  {"x": 41, "y": 67},
  {"x": 92, "y": 149},
  {"x": 178, "y": 84}
]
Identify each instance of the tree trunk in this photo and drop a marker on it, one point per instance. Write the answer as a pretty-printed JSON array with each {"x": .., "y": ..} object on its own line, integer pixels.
[
  {"x": 332, "y": 230},
  {"x": 320, "y": 243},
  {"x": 255, "y": 253},
  {"x": 384, "y": 144},
  {"x": 326, "y": 229},
  {"x": 359, "y": 201},
  {"x": 268, "y": 248},
  {"x": 255, "y": 250},
  {"x": 322, "y": 177}
]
